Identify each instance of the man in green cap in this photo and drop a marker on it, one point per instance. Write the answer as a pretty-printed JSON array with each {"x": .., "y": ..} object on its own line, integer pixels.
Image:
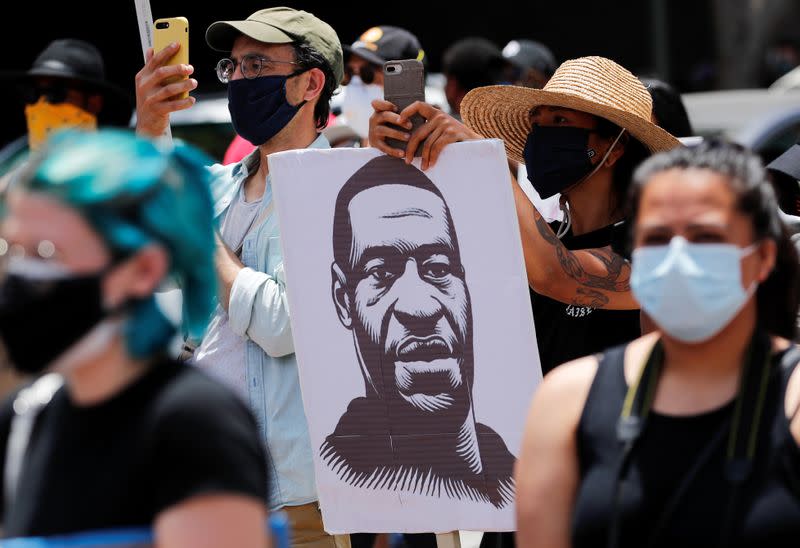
[{"x": 281, "y": 67}]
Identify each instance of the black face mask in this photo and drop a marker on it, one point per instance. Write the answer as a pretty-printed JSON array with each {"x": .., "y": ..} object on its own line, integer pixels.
[
  {"x": 259, "y": 109},
  {"x": 41, "y": 318},
  {"x": 557, "y": 158}
]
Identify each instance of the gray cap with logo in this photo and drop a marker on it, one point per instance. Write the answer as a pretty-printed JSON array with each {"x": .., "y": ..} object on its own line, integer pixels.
[{"x": 281, "y": 25}]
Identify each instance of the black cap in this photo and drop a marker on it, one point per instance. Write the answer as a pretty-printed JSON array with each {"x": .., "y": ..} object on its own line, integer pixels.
[
  {"x": 386, "y": 43},
  {"x": 474, "y": 62},
  {"x": 787, "y": 163},
  {"x": 81, "y": 62},
  {"x": 527, "y": 54}
]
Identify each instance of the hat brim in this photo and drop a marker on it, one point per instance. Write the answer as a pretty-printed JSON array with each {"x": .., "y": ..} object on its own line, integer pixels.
[
  {"x": 502, "y": 112},
  {"x": 787, "y": 163},
  {"x": 221, "y": 35},
  {"x": 365, "y": 54}
]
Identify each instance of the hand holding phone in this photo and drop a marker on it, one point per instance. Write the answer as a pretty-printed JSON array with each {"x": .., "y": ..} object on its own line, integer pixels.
[
  {"x": 403, "y": 85},
  {"x": 166, "y": 31}
]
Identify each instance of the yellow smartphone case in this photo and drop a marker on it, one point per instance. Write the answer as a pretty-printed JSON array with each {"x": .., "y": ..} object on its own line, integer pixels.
[{"x": 173, "y": 29}]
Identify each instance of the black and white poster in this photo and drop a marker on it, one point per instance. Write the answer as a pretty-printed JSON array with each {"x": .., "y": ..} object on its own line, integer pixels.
[{"x": 413, "y": 332}]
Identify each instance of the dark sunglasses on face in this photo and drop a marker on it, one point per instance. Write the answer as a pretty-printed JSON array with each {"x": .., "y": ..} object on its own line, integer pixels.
[
  {"x": 53, "y": 93},
  {"x": 366, "y": 73}
]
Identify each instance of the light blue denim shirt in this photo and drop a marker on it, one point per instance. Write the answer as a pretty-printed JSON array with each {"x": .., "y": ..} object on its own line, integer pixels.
[{"x": 259, "y": 312}]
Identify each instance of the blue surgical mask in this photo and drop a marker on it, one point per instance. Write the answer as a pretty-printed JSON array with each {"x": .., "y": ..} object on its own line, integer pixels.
[
  {"x": 259, "y": 109},
  {"x": 691, "y": 291}
]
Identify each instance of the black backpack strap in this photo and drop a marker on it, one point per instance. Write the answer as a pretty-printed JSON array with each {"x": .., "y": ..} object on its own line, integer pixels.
[{"x": 788, "y": 363}]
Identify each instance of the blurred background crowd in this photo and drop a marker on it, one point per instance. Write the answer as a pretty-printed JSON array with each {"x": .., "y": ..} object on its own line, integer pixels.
[{"x": 733, "y": 61}]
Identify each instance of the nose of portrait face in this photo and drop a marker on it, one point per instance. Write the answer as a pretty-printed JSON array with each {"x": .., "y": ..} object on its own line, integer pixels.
[{"x": 416, "y": 305}]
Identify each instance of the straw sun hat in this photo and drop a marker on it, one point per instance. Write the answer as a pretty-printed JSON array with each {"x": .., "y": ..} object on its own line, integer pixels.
[{"x": 595, "y": 85}]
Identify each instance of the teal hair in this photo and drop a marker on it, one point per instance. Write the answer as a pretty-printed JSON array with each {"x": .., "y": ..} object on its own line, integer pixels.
[{"x": 135, "y": 192}]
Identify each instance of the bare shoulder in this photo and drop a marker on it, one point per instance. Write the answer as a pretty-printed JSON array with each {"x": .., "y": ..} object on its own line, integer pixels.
[
  {"x": 563, "y": 391},
  {"x": 573, "y": 377},
  {"x": 636, "y": 355},
  {"x": 792, "y": 399},
  {"x": 792, "y": 396}
]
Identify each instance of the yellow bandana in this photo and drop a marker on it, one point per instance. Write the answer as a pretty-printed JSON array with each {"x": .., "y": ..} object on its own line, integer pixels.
[{"x": 45, "y": 118}]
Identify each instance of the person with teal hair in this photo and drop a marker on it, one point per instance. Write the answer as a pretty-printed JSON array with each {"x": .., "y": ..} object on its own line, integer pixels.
[{"x": 116, "y": 434}]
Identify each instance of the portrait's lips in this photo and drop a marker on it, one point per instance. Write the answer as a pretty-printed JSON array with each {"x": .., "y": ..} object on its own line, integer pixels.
[{"x": 423, "y": 349}]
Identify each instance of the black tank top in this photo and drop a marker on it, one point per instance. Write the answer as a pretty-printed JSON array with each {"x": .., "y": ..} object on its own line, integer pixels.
[
  {"x": 565, "y": 331},
  {"x": 768, "y": 513}
]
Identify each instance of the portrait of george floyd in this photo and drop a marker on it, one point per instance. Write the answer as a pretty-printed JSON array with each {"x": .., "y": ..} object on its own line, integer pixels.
[{"x": 415, "y": 339}]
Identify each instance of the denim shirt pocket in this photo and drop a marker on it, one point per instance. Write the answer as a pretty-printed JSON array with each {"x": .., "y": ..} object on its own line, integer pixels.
[{"x": 274, "y": 262}]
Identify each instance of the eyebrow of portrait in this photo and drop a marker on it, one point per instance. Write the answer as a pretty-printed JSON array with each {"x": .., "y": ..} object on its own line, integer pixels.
[
  {"x": 401, "y": 248},
  {"x": 408, "y": 212}
]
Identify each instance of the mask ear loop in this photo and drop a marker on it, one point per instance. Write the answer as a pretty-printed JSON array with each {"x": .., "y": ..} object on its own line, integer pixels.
[
  {"x": 565, "y": 225},
  {"x": 566, "y": 220},
  {"x": 750, "y": 249},
  {"x": 298, "y": 72},
  {"x": 746, "y": 252}
]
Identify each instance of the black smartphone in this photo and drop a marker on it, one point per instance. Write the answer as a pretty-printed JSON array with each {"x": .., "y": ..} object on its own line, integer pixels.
[{"x": 403, "y": 84}]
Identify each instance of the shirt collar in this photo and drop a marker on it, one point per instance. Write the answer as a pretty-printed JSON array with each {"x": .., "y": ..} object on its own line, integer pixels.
[{"x": 251, "y": 162}]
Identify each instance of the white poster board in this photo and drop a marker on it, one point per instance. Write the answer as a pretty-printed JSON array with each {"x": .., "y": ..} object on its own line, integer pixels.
[
  {"x": 413, "y": 332},
  {"x": 549, "y": 208}
]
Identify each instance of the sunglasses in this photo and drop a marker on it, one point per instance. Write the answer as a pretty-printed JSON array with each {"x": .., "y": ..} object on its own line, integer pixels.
[
  {"x": 366, "y": 73},
  {"x": 53, "y": 93}
]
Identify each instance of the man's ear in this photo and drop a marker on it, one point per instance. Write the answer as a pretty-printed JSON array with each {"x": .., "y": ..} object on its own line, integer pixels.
[
  {"x": 316, "y": 83},
  {"x": 340, "y": 297}
]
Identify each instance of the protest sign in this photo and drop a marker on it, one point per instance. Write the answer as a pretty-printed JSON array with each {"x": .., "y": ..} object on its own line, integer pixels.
[{"x": 413, "y": 333}]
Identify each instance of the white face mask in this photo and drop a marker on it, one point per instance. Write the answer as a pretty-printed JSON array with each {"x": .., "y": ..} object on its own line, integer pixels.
[
  {"x": 357, "y": 104},
  {"x": 691, "y": 291}
]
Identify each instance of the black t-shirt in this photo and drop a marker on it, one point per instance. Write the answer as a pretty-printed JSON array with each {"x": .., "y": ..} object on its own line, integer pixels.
[
  {"x": 566, "y": 332},
  {"x": 767, "y": 513},
  {"x": 172, "y": 434}
]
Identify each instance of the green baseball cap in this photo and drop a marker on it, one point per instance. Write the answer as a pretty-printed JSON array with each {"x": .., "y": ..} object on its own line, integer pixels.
[{"x": 281, "y": 25}]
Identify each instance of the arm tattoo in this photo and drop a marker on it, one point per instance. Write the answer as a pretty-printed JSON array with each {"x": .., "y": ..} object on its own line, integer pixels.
[
  {"x": 589, "y": 298},
  {"x": 545, "y": 230},
  {"x": 618, "y": 273}
]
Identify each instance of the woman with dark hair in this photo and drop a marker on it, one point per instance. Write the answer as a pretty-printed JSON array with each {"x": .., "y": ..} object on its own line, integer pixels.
[
  {"x": 687, "y": 436},
  {"x": 669, "y": 111},
  {"x": 581, "y": 136}
]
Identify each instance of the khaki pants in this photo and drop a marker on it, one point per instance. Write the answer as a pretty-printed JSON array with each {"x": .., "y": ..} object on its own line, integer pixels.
[{"x": 306, "y": 528}]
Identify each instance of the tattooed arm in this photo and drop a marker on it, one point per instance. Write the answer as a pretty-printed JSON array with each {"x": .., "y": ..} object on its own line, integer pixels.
[{"x": 597, "y": 278}]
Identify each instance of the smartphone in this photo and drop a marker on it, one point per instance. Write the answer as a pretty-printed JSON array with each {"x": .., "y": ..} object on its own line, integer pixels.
[
  {"x": 166, "y": 31},
  {"x": 403, "y": 84}
]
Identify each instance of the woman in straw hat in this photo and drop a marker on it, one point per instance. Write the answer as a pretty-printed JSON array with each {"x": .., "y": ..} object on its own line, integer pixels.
[{"x": 580, "y": 136}]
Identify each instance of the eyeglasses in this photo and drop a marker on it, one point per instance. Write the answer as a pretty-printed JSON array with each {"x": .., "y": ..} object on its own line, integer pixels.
[
  {"x": 365, "y": 72},
  {"x": 44, "y": 259},
  {"x": 44, "y": 250},
  {"x": 251, "y": 66},
  {"x": 53, "y": 93}
]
